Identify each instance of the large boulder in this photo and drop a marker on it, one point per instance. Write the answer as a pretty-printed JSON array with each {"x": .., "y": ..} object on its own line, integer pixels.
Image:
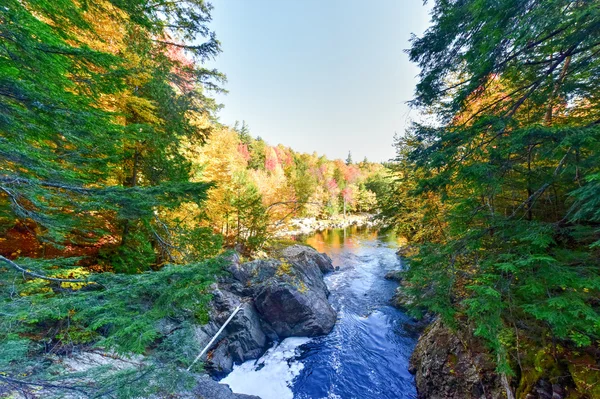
[
  {"x": 451, "y": 365},
  {"x": 308, "y": 256},
  {"x": 242, "y": 339},
  {"x": 294, "y": 311},
  {"x": 290, "y": 294}
]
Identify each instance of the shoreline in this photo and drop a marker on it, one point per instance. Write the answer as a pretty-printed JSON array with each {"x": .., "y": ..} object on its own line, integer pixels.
[{"x": 306, "y": 226}]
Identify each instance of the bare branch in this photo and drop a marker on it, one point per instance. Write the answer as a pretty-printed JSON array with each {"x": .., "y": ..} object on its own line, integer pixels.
[{"x": 37, "y": 275}]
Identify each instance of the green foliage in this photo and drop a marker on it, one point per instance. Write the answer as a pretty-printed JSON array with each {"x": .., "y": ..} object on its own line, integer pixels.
[
  {"x": 499, "y": 193},
  {"x": 136, "y": 256},
  {"x": 126, "y": 314},
  {"x": 91, "y": 122},
  {"x": 249, "y": 214}
]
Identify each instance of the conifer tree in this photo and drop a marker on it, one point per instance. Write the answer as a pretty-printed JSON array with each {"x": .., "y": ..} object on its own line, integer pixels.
[
  {"x": 90, "y": 130},
  {"x": 513, "y": 156}
]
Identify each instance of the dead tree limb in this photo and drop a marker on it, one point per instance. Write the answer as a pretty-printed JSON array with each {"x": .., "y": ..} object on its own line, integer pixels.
[{"x": 37, "y": 275}]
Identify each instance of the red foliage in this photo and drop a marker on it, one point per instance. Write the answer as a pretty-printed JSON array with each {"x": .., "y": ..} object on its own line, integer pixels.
[
  {"x": 271, "y": 160},
  {"x": 183, "y": 65},
  {"x": 284, "y": 157},
  {"x": 348, "y": 194},
  {"x": 243, "y": 150},
  {"x": 332, "y": 186},
  {"x": 22, "y": 241},
  {"x": 351, "y": 173}
]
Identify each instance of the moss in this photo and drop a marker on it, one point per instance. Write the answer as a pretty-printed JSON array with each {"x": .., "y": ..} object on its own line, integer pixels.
[
  {"x": 284, "y": 269},
  {"x": 586, "y": 375},
  {"x": 302, "y": 288},
  {"x": 535, "y": 366},
  {"x": 77, "y": 335},
  {"x": 557, "y": 366}
]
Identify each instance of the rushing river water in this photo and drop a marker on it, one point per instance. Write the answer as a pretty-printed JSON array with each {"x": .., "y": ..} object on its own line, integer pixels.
[{"x": 366, "y": 355}]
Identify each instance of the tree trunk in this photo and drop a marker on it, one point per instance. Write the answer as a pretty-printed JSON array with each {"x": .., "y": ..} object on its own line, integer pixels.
[
  {"x": 132, "y": 183},
  {"x": 559, "y": 81}
]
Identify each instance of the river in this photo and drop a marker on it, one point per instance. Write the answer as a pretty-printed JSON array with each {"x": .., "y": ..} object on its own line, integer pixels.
[{"x": 366, "y": 355}]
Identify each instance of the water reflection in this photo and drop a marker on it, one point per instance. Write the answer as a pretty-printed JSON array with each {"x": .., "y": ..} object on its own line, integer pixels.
[{"x": 335, "y": 241}]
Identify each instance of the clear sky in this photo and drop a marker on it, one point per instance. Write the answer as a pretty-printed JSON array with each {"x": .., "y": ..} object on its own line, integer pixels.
[{"x": 319, "y": 75}]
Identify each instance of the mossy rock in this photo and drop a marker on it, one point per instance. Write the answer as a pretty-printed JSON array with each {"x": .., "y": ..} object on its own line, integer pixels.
[
  {"x": 586, "y": 375},
  {"x": 536, "y": 366}
]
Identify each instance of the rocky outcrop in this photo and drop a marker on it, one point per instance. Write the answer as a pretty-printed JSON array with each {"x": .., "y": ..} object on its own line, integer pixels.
[
  {"x": 309, "y": 256},
  {"x": 293, "y": 310},
  {"x": 280, "y": 298},
  {"x": 449, "y": 365},
  {"x": 207, "y": 388}
]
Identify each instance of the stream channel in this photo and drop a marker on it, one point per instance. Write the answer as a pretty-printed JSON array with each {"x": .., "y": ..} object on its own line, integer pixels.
[{"x": 366, "y": 355}]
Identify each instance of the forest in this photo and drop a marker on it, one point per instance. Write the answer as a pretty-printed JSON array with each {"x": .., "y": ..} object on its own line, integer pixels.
[
  {"x": 498, "y": 188},
  {"x": 115, "y": 171},
  {"x": 122, "y": 194}
]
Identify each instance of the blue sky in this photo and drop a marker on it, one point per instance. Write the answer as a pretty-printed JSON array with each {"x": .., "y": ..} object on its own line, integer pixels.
[{"x": 329, "y": 76}]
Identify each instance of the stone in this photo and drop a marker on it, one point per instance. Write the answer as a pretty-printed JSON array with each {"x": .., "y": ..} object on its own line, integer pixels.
[
  {"x": 395, "y": 275},
  {"x": 445, "y": 368},
  {"x": 219, "y": 360},
  {"x": 401, "y": 299},
  {"x": 305, "y": 254},
  {"x": 242, "y": 339},
  {"x": 207, "y": 388},
  {"x": 291, "y": 312}
]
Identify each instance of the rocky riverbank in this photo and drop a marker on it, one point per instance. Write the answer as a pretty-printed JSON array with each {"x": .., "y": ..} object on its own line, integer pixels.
[
  {"x": 306, "y": 226},
  {"x": 280, "y": 297},
  {"x": 447, "y": 364},
  {"x": 450, "y": 363}
]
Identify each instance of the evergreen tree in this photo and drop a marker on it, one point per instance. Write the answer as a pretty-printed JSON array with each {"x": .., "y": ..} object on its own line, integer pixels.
[
  {"x": 513, "y": 157},
  {"x": 244, "y": 132},
  {"x": 349, "y": 158},
  {"x": 96, "y": 100},
  {"x": 89, "y": 128}
]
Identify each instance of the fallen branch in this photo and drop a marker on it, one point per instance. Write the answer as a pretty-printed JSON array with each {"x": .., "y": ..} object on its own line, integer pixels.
[
  {"x": 215, "y": 336},
  {"x": 37, "y": 275},
  {"x": 43, "y": 384}
]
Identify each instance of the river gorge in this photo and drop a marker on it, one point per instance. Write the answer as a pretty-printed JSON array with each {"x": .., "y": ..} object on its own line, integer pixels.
[{"x": 366, "y": 355}]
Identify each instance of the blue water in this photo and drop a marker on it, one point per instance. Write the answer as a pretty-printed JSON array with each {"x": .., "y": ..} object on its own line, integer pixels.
[{"x": 366, "y": 355}]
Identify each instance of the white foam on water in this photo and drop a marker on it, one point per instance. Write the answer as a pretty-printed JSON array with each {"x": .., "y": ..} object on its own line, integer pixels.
[{"x": 269, "y": 377}]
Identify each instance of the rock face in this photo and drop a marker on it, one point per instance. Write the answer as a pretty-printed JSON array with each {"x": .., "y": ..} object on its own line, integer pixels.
[
  {"x": 445, "y": 369},
  {"x": 308, "y": 256},
  {"x": 280, "y": 298},
  {"x": 293, "y": 310},
  {"x": 545, "y": 390}
]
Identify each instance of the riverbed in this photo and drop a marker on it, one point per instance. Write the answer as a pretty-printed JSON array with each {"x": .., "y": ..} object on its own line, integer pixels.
[{"x": 366, "y": 355}]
